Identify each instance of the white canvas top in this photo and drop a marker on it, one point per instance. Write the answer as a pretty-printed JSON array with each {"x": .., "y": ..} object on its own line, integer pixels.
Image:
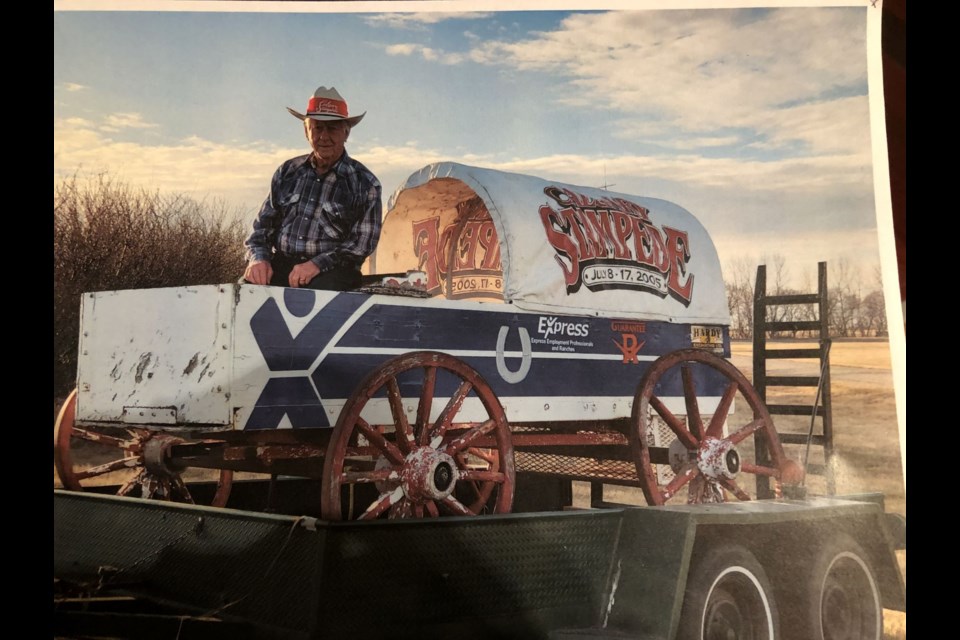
[{"x": 583, "y": 250}]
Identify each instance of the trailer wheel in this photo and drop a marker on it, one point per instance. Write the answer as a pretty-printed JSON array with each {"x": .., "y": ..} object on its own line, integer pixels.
[
  {"x": 128, "y": 452},
  {"x": 382, "y": 462},
  {"x": 728, "y": 597},
  {"x": 707, "y": 464},
  {"x": 840, "y": 598}
]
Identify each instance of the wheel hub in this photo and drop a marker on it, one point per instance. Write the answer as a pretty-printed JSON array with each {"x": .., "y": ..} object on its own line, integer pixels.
[
  {"x": 156, "y": 458},
  {"x": 718, "y": 458},
  {"x": 428, "y": 474}
]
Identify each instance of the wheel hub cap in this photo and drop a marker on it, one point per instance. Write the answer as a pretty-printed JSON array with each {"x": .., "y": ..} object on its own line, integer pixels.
[
  {"x": 718, "y": 459},
  {"x": 155, "y": 455},
  {"x": 428, "y": 474}
]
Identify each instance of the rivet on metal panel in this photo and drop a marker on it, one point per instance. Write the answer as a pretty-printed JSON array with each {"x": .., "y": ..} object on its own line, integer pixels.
[
  {"x": 224, "y": 347},
  {"x": 546, "y": 406},
  {"x": 84, "y": 353},
  {"x": 223, "y": 325}
]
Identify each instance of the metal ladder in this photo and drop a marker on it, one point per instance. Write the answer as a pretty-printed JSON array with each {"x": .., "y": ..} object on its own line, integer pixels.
[{"x": 821, "y": 405}]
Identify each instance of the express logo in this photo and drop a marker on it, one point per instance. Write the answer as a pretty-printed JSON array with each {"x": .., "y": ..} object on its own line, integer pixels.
[
  {"x": 549, "y": 326},
  {"x": 611, "y": 243}
]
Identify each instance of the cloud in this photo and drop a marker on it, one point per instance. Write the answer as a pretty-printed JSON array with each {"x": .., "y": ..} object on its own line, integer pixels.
[
  {"x": 419, "y": 20},
  {"x": 73, "y": 87},
  {"x": 238, "y": 175},
  {"x": 697, "y": 72},
  {"x": 117, "y": 121},
  {"x": 427, "y": 53}
]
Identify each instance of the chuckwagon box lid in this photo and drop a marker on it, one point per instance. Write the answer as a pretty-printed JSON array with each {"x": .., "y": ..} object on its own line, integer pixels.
[{"x": 552, "y": 247}]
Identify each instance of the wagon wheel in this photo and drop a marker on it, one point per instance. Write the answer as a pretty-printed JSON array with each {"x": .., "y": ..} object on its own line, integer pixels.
[
  {"x": 423, "y": 463},
  {"x": 135, "y": 457},
  {"x": 709, "y": 463}
]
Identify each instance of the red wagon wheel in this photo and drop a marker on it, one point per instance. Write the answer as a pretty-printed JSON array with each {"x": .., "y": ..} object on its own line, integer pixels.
[
  {"x": 135, "y": 458},
  {"x": 710, "y": 454},
  {"x": 459, "y": 462}
]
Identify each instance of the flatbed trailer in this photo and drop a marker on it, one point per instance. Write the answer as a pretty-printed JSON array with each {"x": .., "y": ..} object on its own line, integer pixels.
[{"x": 759, "y": 569}]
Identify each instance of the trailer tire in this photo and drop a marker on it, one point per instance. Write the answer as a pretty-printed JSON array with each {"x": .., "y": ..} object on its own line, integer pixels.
[
  {"x": 728, "y": 596},
  {"x": 841, "y": 596}
]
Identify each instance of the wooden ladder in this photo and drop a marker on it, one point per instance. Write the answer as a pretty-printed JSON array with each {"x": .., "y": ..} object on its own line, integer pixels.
[{"x": 820, "y": 407}]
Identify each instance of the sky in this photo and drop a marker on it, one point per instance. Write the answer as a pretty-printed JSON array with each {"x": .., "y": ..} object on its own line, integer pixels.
[{"x": 755, "y": 120}]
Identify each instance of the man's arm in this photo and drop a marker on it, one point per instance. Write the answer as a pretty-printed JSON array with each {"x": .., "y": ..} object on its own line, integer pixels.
[{"x": 261, "y": 241}]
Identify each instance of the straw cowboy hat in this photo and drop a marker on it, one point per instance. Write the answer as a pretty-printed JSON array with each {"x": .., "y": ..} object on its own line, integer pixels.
[{"x": 327, "y": 105}]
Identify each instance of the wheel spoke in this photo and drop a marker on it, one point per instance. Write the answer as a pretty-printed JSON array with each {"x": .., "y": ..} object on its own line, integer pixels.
[
  {"x": 740, "y": 434},
  {"x": 676, "y": 425},
  {"x": 715, "y": 429},
  {"x": 487, "y": 455},
  {"x": 466, "y": 440},
  {"x": 101, "y": 438},
  {"x": 381, "y": 504},
  {"x": 376, "y": 439},
  {"x": 107, "y": 467},
  {"x": 180, "y": 487},
  {"x": 129, "y": 485},
  {"x": 418, "y": 511},
  {"x": 402, "y": 509},
  {"x": 477, "y": 475},
  {"x": 368, "y": 477},
  {"x": 449, "y": 411},
  {"x": 431, "y": 508},
  {"x": 690, "y": 399},
  {"x": 734, "y": 488},
  {"x": 455, "y": 507},
  {"x": 404, "y": 433},
  {"x": 759, "y": 470},
  {"x": 426, "y": 403},
  {"x": 688, "y": 473}
]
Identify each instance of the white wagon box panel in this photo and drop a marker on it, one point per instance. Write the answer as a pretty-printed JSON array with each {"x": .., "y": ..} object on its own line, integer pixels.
[{"x": 156, "y": 356}]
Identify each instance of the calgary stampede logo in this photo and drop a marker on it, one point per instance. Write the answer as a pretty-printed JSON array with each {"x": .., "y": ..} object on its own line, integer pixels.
[{"x": 611, "y": 243}]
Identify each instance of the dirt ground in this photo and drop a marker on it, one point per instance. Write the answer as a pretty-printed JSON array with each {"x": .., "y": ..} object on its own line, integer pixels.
[{"x": 866, "y": 437}]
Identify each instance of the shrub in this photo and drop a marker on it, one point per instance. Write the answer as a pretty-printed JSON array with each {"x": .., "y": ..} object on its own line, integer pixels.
[{"x": 109, "y": 236}]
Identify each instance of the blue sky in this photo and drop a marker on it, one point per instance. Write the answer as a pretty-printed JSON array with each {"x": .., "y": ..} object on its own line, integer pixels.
[{"x": 754, "y": 120}]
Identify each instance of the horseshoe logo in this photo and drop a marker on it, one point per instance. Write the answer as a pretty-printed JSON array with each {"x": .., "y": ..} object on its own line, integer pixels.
[{"x": 513, "y": 377}]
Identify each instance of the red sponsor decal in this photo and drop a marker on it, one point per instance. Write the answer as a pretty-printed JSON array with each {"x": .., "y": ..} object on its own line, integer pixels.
[
  {"x": 629, "y": 347},
  {"x": 611, "y": 243}
]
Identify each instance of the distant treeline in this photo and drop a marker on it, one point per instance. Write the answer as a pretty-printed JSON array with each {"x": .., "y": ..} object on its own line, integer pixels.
[
  {"x": 109, "y": 236},
  {"x": 855, "y": 305}
]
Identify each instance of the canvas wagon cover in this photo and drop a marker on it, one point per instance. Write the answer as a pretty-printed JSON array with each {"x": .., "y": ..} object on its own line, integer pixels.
[{"x": 552, "y": 247}]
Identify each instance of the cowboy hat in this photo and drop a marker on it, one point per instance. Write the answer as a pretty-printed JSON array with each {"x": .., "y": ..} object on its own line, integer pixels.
[{"x": 328, "y": 105}]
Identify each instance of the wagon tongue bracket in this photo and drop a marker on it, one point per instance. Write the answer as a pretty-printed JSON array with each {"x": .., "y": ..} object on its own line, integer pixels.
[{"x": 428, "y": 474}]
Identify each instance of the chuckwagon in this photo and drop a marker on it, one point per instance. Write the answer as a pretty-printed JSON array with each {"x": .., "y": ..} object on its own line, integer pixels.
[
  {"x": 517, "y": 327},
  {"x": 568, "y": 331}
]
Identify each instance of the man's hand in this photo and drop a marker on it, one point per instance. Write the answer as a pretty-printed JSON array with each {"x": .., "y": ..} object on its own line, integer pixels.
[
  {"x": 302, "y": 274},
  {"x": 258, "y": 272}
]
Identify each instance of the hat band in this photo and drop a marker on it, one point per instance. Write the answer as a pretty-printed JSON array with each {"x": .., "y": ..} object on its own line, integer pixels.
[{"x": 326, "y": 106}]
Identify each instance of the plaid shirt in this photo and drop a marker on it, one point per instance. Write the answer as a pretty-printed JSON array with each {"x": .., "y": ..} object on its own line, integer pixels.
[{"x": 332, "y": 220}]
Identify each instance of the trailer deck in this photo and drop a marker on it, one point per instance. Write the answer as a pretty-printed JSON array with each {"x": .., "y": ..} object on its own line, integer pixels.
[{"x": 613, "y": 570}]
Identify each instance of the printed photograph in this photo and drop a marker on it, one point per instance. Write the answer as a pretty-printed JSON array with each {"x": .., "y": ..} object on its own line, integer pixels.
[{"x": 572, "y": 293}]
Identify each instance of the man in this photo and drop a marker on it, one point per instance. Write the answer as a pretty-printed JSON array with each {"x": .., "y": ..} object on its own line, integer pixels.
[{"x": 322, "y": 217}]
